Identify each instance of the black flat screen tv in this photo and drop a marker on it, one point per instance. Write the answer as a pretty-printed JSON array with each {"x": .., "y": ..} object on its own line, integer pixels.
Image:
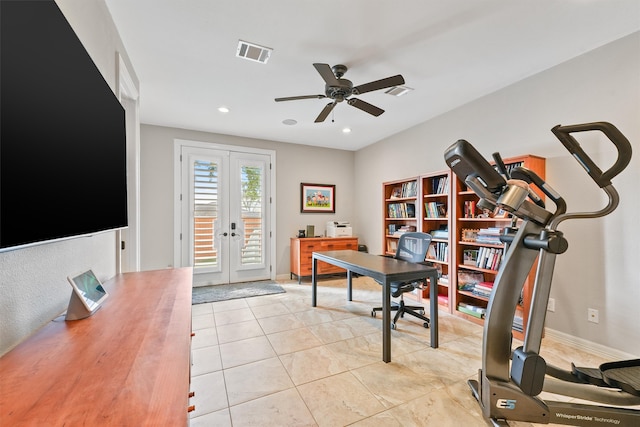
[{"x": 62, "y": 132}]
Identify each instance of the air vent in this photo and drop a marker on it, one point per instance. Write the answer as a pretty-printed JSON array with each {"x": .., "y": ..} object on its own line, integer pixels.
[
  {"x": 253, "y": 52},
  {"x": 398, "y": 90}
]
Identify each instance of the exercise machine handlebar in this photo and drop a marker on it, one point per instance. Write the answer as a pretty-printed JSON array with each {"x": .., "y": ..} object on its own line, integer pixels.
[{"x": 622, "y": 144}]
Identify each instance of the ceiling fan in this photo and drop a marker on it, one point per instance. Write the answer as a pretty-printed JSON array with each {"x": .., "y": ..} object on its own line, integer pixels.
[{"x": 339, "y": 89}]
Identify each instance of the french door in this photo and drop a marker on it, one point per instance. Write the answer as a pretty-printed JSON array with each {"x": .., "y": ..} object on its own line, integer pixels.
[{"x": 225, "y": 215}]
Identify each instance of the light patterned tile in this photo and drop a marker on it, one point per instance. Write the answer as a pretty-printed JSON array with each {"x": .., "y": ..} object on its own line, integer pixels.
[
  {"x": 293, "y": 340},
  {"x": 210, "y": 393},
  {"x": 205, "y": 360},
  {"x": 233, "y": 316},
  {"x": 280, "y": 323},
  {"x": 239, "y": 331},
  {"x": 312, "y": 364},
  {"x": 238, "y": 353},
  {"x": 285, "y": 408},
  {"x": 254, "y": 380},
  {"x": 339, "y": 400}
]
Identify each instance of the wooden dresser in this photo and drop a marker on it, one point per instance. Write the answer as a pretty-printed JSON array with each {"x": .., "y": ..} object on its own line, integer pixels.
[
  {"x": 128, "y": 364},
  {"x": 302, "y": 247}
]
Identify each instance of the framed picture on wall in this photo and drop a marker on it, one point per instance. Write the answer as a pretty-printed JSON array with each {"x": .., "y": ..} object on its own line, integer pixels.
[{"x": 317, "y": 198}]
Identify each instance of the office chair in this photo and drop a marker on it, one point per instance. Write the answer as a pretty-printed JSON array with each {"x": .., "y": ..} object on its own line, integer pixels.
[{"x": 412, "y": 247}]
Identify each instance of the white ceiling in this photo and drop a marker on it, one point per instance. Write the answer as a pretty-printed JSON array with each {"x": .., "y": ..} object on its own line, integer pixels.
[{"x": 449, "y": 51}]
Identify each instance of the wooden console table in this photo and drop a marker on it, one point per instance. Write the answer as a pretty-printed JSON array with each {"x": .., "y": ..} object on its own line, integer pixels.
[
  {"x": 128, "y": 364},
  {"x": 303, "y": 247}
]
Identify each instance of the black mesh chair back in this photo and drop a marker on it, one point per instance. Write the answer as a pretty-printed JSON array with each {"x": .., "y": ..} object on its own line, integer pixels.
[{"x": 412, "y": 247}]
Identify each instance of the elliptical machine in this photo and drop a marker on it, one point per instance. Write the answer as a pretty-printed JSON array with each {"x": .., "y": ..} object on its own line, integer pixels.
[{"x": 509, "y": 382}]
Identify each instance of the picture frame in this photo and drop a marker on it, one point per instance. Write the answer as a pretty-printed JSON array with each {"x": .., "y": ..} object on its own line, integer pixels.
[
  {"x": 317, "y": 198},
  {"x": 469, "y": 235}
]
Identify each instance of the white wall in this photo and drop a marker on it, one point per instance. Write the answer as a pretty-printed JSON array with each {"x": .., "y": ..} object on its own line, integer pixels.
[
  {"x": 600, "y": 269},
  {"x": 295, "y": 164},
  {"x": 33, "y": 281}
]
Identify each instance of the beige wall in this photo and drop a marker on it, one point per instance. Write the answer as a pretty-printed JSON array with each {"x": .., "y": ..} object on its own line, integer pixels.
[
  {"x": 294, "y": 164},
  {"x": 600, "y": 269},
  {"x": 33, "y": 281}
]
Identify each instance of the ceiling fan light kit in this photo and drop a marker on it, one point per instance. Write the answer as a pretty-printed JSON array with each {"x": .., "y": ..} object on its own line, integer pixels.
[{"x": 339, "y": 89}]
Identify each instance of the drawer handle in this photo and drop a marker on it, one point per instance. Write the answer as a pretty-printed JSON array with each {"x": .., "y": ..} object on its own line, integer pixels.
[{"x": 191, "y": 408}]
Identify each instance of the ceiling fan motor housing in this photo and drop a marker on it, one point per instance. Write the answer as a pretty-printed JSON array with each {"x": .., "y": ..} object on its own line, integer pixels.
[{"x": 341, "y": 92}]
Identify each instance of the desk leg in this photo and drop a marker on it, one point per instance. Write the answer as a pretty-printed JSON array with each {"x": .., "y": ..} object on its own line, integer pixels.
[
  {"x": 433, "y": 297},
  {"x": 349, "y": 291},
  {"x": 386, "y": 321},
  {"x": 314, "y": 268}
]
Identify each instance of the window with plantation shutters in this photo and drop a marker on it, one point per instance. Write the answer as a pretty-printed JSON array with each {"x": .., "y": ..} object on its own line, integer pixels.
[
  {"x": 205, "y": 213},
  {"x": 251, "y": 187}
]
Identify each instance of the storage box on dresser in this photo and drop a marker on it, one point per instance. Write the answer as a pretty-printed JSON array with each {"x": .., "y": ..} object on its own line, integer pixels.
[{"x": 303, "y": 247}]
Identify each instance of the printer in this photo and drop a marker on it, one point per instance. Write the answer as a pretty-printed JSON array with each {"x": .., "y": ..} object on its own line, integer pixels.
[{"x": 338, "y": 229}]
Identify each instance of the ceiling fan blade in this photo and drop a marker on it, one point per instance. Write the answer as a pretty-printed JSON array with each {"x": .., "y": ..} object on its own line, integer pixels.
[
  {"x": 327, "y": 74},
  {"x": 365, "y": 106},
  {"x": 294, "y": 98},
  {"x": 325, "y": 112},
  {"x": 379, "y": 84}
]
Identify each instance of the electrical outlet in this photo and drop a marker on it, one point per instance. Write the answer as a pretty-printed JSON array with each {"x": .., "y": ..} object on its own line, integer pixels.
[
  {"x": 551, "y": 304},
  {"x": 592, "y": 315}
]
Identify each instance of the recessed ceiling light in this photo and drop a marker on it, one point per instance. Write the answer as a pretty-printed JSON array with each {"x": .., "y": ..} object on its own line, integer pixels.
[
  {"x": 289, "y": 122},
  {"x": 346, "y": 130},
  {"x": 399, "y": 90},
  {"x": 223, "y": 109}
]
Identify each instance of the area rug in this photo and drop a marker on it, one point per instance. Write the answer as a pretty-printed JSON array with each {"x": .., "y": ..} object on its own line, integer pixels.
[{"x": 204, "y": 294}]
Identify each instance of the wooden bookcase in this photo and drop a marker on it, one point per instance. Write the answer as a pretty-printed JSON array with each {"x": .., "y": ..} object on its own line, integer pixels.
[
  {"x": 436, "y": 220},
  {"x": 449, "y": 208},
  {"x": 475, "y": 232},
  {"x": 401, "y": 211}
]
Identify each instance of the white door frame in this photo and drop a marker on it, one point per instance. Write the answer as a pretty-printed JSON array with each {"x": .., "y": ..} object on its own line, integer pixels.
[
  {"x": 128, "y": 240},
  {"x": 177, "y": 211}
]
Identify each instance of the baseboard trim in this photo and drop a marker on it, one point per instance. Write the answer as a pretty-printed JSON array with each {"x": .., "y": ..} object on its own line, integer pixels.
[{"x": 588, "y": 346}]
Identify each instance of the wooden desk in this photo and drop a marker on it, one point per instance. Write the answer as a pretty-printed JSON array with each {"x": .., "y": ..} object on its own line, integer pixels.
[
  {"x": 384, "y": 270},
  {"x": 128, "y": 364}
]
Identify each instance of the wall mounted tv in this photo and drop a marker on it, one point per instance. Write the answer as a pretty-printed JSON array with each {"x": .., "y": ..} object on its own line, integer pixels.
[{"x": 62, "y": 132}]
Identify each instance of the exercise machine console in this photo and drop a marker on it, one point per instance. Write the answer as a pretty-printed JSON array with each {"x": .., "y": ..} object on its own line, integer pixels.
[{"x": 510, "y": 382}]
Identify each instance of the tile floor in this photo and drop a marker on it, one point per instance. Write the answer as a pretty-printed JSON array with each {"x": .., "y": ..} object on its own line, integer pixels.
[{"x": 276, "y": 361}]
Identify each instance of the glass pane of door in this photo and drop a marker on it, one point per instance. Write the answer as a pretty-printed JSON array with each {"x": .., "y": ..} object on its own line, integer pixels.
[
  {"x": 205, "y": 214},
  {"x": 251, "y": 191}
]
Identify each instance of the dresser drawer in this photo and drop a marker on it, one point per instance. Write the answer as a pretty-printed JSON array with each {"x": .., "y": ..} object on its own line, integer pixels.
[{"x": 302, "y": 248}]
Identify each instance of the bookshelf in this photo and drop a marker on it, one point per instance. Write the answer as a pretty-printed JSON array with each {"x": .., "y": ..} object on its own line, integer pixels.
[
  {"x": 436, "y": 201},
  {"x": 466, "y": 246},
  {"x": 477, "y": 251},
  {"x": 400, "y": 210}
]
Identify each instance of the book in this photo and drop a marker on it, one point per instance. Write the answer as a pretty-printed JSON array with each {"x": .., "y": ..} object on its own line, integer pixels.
[{"x": 471, "y": 312}]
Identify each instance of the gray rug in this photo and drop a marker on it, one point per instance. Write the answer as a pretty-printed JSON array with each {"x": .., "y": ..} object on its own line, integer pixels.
[{"x": 215, "y": 293}]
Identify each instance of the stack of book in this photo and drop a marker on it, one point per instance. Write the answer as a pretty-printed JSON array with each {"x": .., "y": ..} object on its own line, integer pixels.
[
  {"x": 442, "y": 233},
  {"x": 402, "y": 210},
  {"x": 404, "y": 229},
  {"x": 440, "y": 185},
  {"x": 407, "y": 189},
  {"x": 469, "y": 209},
  {"x": 472, "y": 310},
  {"x": 435, "y": 210},
  {"x": 518, "y": 324},
  {"x": 483, "y": 289},
  {"x": 489, "y": 258},
  {"x": 489, "y": 235},
  {"x": 438, "y": 251}
]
